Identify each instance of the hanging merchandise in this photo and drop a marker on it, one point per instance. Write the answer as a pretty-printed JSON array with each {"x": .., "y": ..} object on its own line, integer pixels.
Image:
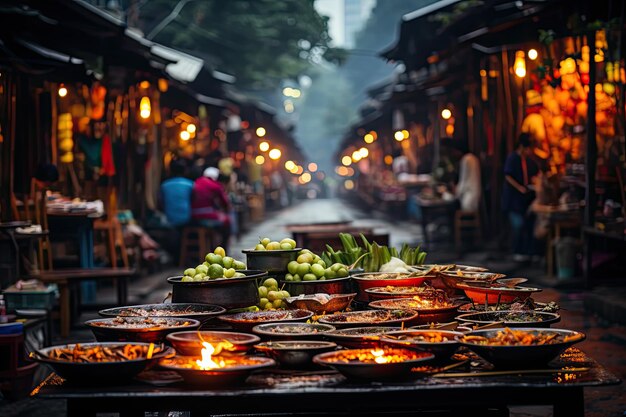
[
  {"x": 64, "y": 138},
  {"x": 97, "y": 95}
]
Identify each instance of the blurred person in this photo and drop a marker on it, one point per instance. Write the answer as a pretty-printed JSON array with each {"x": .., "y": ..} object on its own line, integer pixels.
[
  {"x": 520, "y": 170},
  {"x": 469, "y": 188},
  {"x": 210, "y": 206},
  {"x": 176, "y": 195}
]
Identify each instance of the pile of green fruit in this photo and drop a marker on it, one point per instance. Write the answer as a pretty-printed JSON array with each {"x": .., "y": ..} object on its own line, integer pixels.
[
  {"x": 267, "y": 244},
  {"x": 271, "y": 298},
  {"x": 310, "y": 267},
  {"x": 216, "y": 265}
]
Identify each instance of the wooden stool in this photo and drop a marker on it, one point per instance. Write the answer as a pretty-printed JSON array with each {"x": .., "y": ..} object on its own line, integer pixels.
[
  {"x": 195, "y": 241},
  {"x": 466, "y": 222}
]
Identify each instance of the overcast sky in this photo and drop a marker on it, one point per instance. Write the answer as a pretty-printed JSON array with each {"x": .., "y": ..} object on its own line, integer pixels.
[{"x": 334, "y": 10}]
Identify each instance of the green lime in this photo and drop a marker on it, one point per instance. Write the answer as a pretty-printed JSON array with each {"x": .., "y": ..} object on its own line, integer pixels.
[
  {"x": 292, "y": 267},
  {"x": 305, "y": 258},
  {"x": 214, "y": 258},
  {"x": 216, "y": 271},
  {"x": 290, "y": 242},
  {"x": 265, "y": 241},
  {"x": 239, "y": 275},
  {"x": 336, "y": 266},
  {"x": 220, "y": 251},
  {"x": 239, "y": 265},
  {"x": 304, "y": 268},
  {"x": 202, "y": 269},
  {"x": 342, "y": 272},
  {"x": 263, "y": 291},
  {"x": 318, "y": 270},
  {"x": 330, "y": 274},
  {"x": 263, "y": 301},
  {"x": 320, "y": 262},
  {"x": 284, "y": 294},
  {"x": 278, "y": 303},
  {"x": 273, "y": 246},
  {"x": 285, "y": 246},
  {"x": 229, "y": 272},
  {"x": 190, "y": 272},
  {"x": 297, "y": 278},
  {"x": 187, "y": 278},
  {"x": 288, "y": 277},
  {"x": 259, "y": 247},
  {"x": 309, "y": 277},
  {"x": 227, "y": 261},
  {"x": 199, "y": 277},
  {"x": 273, "y": 295},
  {"x": 271, "y": 282}
]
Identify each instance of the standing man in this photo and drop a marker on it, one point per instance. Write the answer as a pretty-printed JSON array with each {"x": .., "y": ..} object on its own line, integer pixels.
[{"x": 517, "y": 195}]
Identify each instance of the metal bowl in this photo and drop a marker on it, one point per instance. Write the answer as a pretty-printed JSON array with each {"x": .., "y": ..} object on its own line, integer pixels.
[
  {"x": 246, "y": 321},
  {"x": 412, "y": 339},
  {"x": 190, "y": 343},
  {"x": 520, "y": 356},
  {"x": 200, "y": 312},
  {"x": 452, "y": 279},
  {"x": 424, "y": 315},
  {"x": 292, "y": 331},
  {"x": 217, "y": 377},
  {"x": 496, "y": 295},
  {"x": 397, "y": 317},
  {"x": 295, "y": 353},
  {"x": 336, "y": 302},
  {"x": 370, "y": 370},
  {"x": 226, "y": 292},
  {"x": 95, "y": 373},
  {"x": 381, "y": 279},
  {"x": 511, "y": 318},
  {"x": 108, "y": 330},
  {"x": 360, "y": 337},
  {"x": 329, "y": 286},
  {"x": 273, "y": 261}
]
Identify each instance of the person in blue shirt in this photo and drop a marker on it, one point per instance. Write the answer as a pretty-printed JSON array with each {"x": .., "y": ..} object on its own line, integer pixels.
[
  {"x": 176, "y": 195},
  {"x": 519, "y": 172}
]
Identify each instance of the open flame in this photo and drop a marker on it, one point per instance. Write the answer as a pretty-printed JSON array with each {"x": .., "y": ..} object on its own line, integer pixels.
[
  {"x": 207, "y": 361},
  {"x": 379, "y": 356}
]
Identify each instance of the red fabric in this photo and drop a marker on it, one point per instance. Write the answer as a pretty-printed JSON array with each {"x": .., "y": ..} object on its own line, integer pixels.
[
  {"x": 108, "y": 166},
  {"x": 209, "y": 200}
]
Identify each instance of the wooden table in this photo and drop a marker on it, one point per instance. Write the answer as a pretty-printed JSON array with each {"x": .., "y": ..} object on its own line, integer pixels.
[
  {"x": 67, "y": 278},
  {"x": 327, "y": 393}
]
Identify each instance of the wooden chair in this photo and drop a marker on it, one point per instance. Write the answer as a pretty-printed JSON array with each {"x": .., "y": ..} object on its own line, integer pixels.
[
  {"x": 195, "y": 243},
  {"x": 111, "y": 228},
  {"x": 466, "y": 222}
]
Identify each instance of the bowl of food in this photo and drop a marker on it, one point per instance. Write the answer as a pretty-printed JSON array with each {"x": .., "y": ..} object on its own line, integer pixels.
[
  {"x": 321, "y": 303},
  {"x": 375, "y": 364},
  {"x": 138, "y": 329},
  {"x": 200, "y": 312},
  {"x": 230, "y": 293},
  {"x": 431, "y": 307},
  {"x": 295, "y": 353},
  {"x": 452, "y": 279},
  {"x": 369, "y": 318},
  {"x": 360, "y": 337},
  {"x": 528, "y": 304},
  {"x": 218, "y": 371},
  {"x": 321, "y": 286},
  {"x": 246, "y": 321},
  {"x": 190, "y": 343},
  {"x": 292, "y": 331},
  {"x": 441, "y": 343},
  {"x": 101, "y": 363},
  {"x": 381, "y": 279},
  {"x": 396, "y": 291},
  {"x": 520, "y": 347},
  {"x": 510, "y": 318},
  {"x": 496, "y": 294}
]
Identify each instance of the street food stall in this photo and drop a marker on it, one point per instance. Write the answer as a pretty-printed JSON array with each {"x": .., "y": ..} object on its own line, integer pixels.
[{"x": 388, "y": 333}]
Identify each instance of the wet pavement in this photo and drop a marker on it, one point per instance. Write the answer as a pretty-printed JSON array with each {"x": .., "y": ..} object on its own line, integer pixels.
[{"x": 605, "y": 341}]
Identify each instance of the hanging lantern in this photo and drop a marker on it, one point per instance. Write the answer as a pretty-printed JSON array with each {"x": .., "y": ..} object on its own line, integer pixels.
[
  {"x": 144, "y": 107},
  {"x": 519, "y": 66}
]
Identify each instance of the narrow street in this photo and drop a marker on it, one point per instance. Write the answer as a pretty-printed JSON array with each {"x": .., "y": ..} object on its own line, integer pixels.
[{"x": 605, "y": 341}]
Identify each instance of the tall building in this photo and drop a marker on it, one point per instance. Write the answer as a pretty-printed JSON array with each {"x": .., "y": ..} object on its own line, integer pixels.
[{"x": 356, "y": 13}]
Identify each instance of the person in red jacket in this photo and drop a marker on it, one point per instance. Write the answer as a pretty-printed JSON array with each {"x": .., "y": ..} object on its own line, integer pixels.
[{"x": 210, "y": 205}]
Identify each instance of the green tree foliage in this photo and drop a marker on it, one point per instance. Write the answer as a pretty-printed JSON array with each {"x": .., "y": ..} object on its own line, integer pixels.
[{"x": 261, "y": 42}]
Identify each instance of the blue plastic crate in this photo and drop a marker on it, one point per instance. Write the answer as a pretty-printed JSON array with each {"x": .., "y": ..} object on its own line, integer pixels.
[{"x": 28, "y": 299}]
